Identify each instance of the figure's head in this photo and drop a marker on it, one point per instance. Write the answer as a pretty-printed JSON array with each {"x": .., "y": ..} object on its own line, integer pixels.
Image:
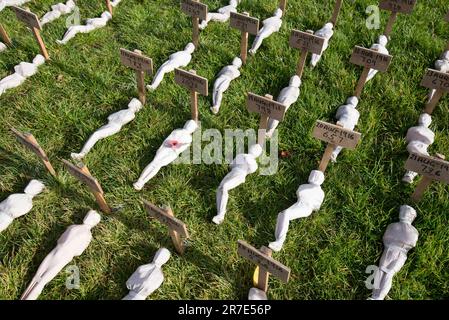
[
  {"x": 161, "y": 257},
  {"x": 255, "y": 150},
  {"x": 190, "y": 48},
  {"x": 295, "y": 81},
  {"x": 34, "y": 187},
  {"x": 278, "y": 12},
  {"x": 316, "y": 177},
  {"x": 92, "y": 218},
  {"x": 407, "y": 214},
  {"x": 106, "y": 15},
  {"x": 445, "y": 55},
  {"x": 329, "y": 25},
  {"x": 135, "y": 105},
  {"x": 39, "y": 60},
  {"x": 425, "y": 120},
  {"x": 233, "y": 3},
  {"x": 383, "y": 40},
  {"x": 353, "y": 101},
  {"x": 191, "y": 126},
  {"x": 237, "y": 62}
]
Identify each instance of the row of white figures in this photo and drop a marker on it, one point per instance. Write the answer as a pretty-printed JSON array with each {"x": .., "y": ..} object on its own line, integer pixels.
[
  {"x": 442, "y": 65},
  {"x": 380, "y": 46},
  {"x": 23, "y": 71},
  {"x": 10, "y": 3},
  {"x": 222, "y": 15},
  {"x": 57, "y": 11}
]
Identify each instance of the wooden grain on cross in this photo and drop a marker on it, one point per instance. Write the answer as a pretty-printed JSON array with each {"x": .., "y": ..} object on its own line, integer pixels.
[
  {"x": 434, "y": 79},
  {"x": 4, "y": 36},
  {"x": 194, "y": 83},
  {"x": 197, "y": 11},
  {"x": 306, "y": 42},
  {"x": 247, "y": 25},
  {"x": 396, "y": 6}
]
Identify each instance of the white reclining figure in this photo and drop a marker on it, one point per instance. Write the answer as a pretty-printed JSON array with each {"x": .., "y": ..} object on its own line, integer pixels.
[
  {"x": 115, "y": 123},
  {"x": 257, "y": 294},
  {"x": 9, "y": 3},
  {"x": 57, "y": 11},
  {"x": 71, "y": 244},
  {"x": 288, "y": 96},
  {"x": 347, "y": 116},
  {"x": 381, "y": 48},
  {"x": 176, "y": 60},
  {"x": 114, "y": 3},
  {"x": 19, "y": 204},
  {"x": 419, "y": 139},
  {"x": 243, "y": 165},
  {"x": 442, "y": 65},
  {"x": 176, "y": 143},
  {"x": 270, "y": 26},
  {"x": 222, "y": 15},
  {"x": 147, "y": 278},
  {"x": 310, "y": 199},
  {"x": 23, "y": 71},
  {"x": 224, "y": 78},
  {"x": 326, "y": 32},
  {"x": 91, "y": 24},
  {"x": 3, "y": 47},
  {"x": 398, "y": 239}
]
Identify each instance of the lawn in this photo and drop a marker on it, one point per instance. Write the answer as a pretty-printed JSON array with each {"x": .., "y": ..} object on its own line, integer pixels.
[{"x": 72, "y": 95}]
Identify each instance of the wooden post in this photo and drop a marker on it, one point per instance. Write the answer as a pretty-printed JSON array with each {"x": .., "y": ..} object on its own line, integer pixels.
[
  {"x": 109, "y": 7},
  {"x": 430, "y": 105},
  {"x": 247, "y": 25},
  {"x": 390, "y": 23},
  {"x": 244, "y": 43},
  {"x": 306, "y": 42},
  {"x": 197, "y": 11},
  {"x": 43, "y": 49},
  {"x": 263, "y": 125},
  {"x": 301, "y": 63},
  {"x": 283, "y": 6},
  {"x": 336, "y": 12},
  {"x": 438, "y": 81},
  {"x": 98, "y": 195},
  {"x": 395, "y": 7},
  {"x": 264, "y": 275},
  {"x": 362, "y": 81},
  {"x": 194, "y": 104},
  {"x": 175, "y": 237},
  {"x": 4, "y": 36}
]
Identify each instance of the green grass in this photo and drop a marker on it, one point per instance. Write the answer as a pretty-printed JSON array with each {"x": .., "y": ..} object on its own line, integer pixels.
[{"x": 72, "y": 95}]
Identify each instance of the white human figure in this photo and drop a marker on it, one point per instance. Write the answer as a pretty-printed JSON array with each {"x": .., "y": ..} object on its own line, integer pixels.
[
  {"x": 380, "y": 47},
  {"x": 19, "y": 204},
  {"x": 115, "y": 123},
  {"x": 71, "y": 244},
  {"x": 222, "y": 15},
  {"x": 419, "y": 139},
  {"x": 270, "y": 26},
  {"x": 224, "y": 78},
  {"x": 147, "y": 278},
  {"x": 3, "y": 47},
  {"x": 398, "y": 239},
  {"x": 91, "y": 24},
  {"x": 288, "y": 96},
  {"x": 114, "y": 3},
  {"x": 442, "y": 65},
  {"x": 176, "y": 143},
  {"x": 176, "y": 60},
  {"x": 58, "y": 10},
  {"x": 243, "y": 165},
  {"x": 325, "y": 32},
  {"x": 348, "y": 117},
  {"x": 9, "y": 3},
  {"x": 310, "y": 198},
  {"x": 257, "y": 294}
]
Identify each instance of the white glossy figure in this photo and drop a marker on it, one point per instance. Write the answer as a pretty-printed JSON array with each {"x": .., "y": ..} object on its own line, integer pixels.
[
  {"x": 257, "y": 294},
  {"x": 147, "y": 278},
  {"x": 91, "y": 24},
  {"x": 442, "y": 65},
  {"x": 19, "y": 204},
  {"x": 270, "y": 26},
  {"x": 224, "y": 78},
  {"x": 380, "y": 47},
  {"x": 310, "y": 198},
  {"x": 3, "y": 47},
  {"x": 325, "y": 32},
  {"x": 243, "y": 165},
  {"x": 419, "y": 139},
  {"x": 348, "y": 117},
  {"x": 223, "y": 14},
  {"x": 57, "y": 11},
  {"x": 176, "y": 143},
  {"x": 288, "y": 96},
  {"x": 114, "y": 3},
  {"x": 115, "y": 123},
  {"x": 398, "y": 239},
  {"x": 9, "y": 3},
  {"x": 23, "y": 71},
  {"x": 71, "y": 244},
  {"x": 176, "y": 60}
]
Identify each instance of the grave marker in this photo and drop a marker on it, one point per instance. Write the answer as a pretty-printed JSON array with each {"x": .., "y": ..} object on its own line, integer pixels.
[
  {"x": 4, "y": 36},
  {"x": 197, "y": 11},
  {"x": 306, "y": 42},
  {"x": 247, "y": 25},
  {"x": 439, "y": 81},
  {"x": 396, "y": 6}
]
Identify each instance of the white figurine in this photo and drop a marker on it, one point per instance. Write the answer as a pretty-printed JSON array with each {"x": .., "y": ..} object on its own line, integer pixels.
[
  {"x": 71, "y": 244},
  {"x": 57, "y": 11},
  {"x": 177, "y": 142},
  {"x": 310, "y": 198},
  {"x": 419, "y": 139},
  {"x": 222, "y": 15},
  {"x": 224, "y": 78},
  {"x": 176, "y": 60},
  {"x": 270, "y": 26},
  {"x": 9, "y": 3},
  {"x": 398, "y": 239},
  {"x": 288, "y": 96},
  {"x": 114, "y": 3},
  {"x": 243, "y": 165},
  {"x": 19, "y": 204},
  {"x": 348, "y": 117},
  {"x": 326, "y": 32},
  {"x": 442, "y": 65},
  {"x": 3, "y": 47},
  {"x": 147, "y": 278},
  {"x": 115, "y": 123},
  {"x": 91, "y": 24},
  {"x": 257, "y": 294},
  {"x": 381, "y": 48}
]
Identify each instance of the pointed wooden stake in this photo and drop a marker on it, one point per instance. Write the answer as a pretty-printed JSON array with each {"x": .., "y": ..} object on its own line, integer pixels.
[
  {"x": 395, "y": 7},
  {"x": 283, "y": 6},
  {"x": 109, "y": 7},
  {"x": 195, "y": 84},
  {"x": 4, "y": 36},
  {"x": 247, "y": 25},
  {"x": 336, "y": 12},
  {"x": 197, "y": 11}
]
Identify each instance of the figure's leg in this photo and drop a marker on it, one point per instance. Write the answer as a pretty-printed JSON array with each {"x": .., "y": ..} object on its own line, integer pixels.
[
  {"x": 41, "y": 282},
  {"x": 390, "y": 263},
  {"x": 371, "y": 74},
  {"x": 165, "y": 68},
  {"x": 409, "y": 176},
  {"x": 335, "y": 154},
  {"x": 204, "y": 23},
  {"x": 101, "y": 133},
  {"x": 431, "y": 93},
  {"x": 219, "y": 17},
  {"x": 162, "y": 159},
  {"x": 263, "y": 34},
  {"x": 231, "y": 181},
  {"x": 70, "y": 34},
  {"x": 272, "y": 125}
]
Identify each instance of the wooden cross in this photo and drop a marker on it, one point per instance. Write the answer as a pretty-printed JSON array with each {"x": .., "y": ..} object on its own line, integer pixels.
[
  {"x": 283, "y": 6},
  {"x": 81, "y": 173},
  {"x": 4, "y": 36},
  {"x": 28, "y": 140},
  {"x": 197, "y": 11},
  {"x": 247, "y": 25},
  {"x": 267, "y": 108},
  {"x": 368, "y": 59},
  {"x": 195, "y": 84},
  {"x": 431, "y": 168},
  {"x": 334, "y": 135},
  {"x": 336, "y": 12},
  {"x": 306, "y": 42},
  {"x": 266, "y": 264},
  {"x": 439, "y": 81},
  {"x": 177, "y": 228},
  {"x": 32, "y": 21},
  {"x": 141, "y": 64},
  {"x": 396, "y": 6},
  {"x": 109, "y": 6}
]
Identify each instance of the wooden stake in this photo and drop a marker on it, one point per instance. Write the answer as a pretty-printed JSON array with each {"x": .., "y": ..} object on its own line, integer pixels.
[
  {"x": 109, "y": 6},
  {"x": 301, "y": 63},
  {"x": 283, "y": 6},
  {"x": 194, "y": 102},
  {"x": 197, "y": 11},
  {"x": 424, "y": 184},
  {"x": 390, "y": 23},
  {"x": 46, "y": 161},
  {"x": 43, "y": 49},
  {"x": 140, "y": 78},
  {"x": 362, "y": 82},
  {"x": 326, "y": 157},
  {"x": 336, "y": 12},
  {"x": 175, "y": 237},
  {"x": 430, "y": 106},
  {"x": 264, "y": 275},
  {"x": 98, "y": 195},
  {"x": 247, "y": 25},
  {"x": 263, "y": 125},
  {"x": 244, "y": 43},
  {"x": 196, "y": 30},
  {"x": 5, "y": 36},
  {"x": 305, "y": 42}
]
